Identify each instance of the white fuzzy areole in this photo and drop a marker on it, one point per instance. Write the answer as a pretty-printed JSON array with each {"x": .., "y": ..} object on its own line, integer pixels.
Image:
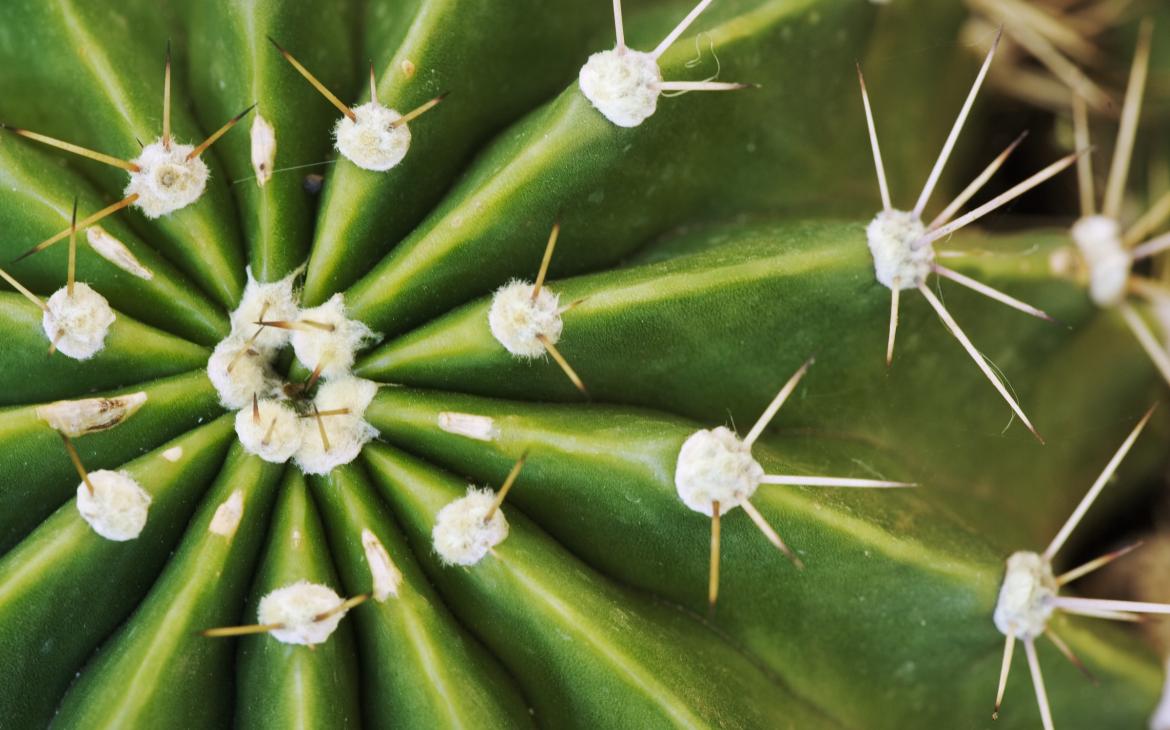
[
  {"x": 263, "y": 149},
  {"x": 347, "y": 433},
  {"x": 78, "y": 323},
  {"x": 335, "y": 348},
  {"x": 517, "y": 322},
  {"x": 295, "y": 606},
  {"x": 716, "y": 466},
  {"x": 173, "y": 454},
  {"x": 622, "y": 84},
  {"x": 167, "y": 180},
  {"x": 89, "y": 415},
  {"x": 1099, "y": 240},
  {"x": 1025, "y": 598},
  {"x": 227, "y": 515},
  {"x": 114, "y": 251},
  {"x": 480, "y": 428},
  {"x": 275, "y": 437},
  {"x": 901, "y": 258},
  {"x": 277, "y": 301},
  {"x": 461, "y": 536},
  {"x": 383, "y": 571},
  {"x": 370, "y": 142},
  {"x": 118, "y": 507},
  {"x": 250, "y": 374}
]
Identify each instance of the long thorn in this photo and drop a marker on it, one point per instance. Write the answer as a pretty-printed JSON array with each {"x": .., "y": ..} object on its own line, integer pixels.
[
  {"x": 268, "y": 434},
  {"x": 239, "y": 630},
  {"x": 507, "y": 486},
  {"x": 1153, "y": 291},
  {"x": 1085, "y": 189},
  {"x": 1095, "y": 564},
  {"x": 895, "y": 297},
  {"x": 991, "y": 292},
  {"x": 1068, "y": 654},
  {"x": 217, "y": 134},
  {"x": 810, "y": 481},
  {"x": 1102, "y": 604},
  {"x": 1061, "y": 67},
  {"x": 544, "y": 262},
  {"x": 713, "y": 575},
  {"x": 976, "y": 184},
  {"x": 304, "y": 325},
  {"x": 953, "y": 137},
  {"x": 418, "y": 111},
  {"x": 71, "y": 271},
  {"x": 1130, "y": 116},
  {"x": 1151, "y": 220},
  {"x": 975, "y": 355},
  {"x": 320, "y": 87},
  {"x": 1062, "y": 32},
  {"x": 255, "y": 409},
  {"x": 1149, "y": 342},
  {"x": 1152, "y": 247},
  {"x": 618, "y": 27},
  {"x": 771, "y": 534},
  {"x": 565, "y": 366},
  {"x": 883, "y": 185},
  {"x": 770, "y": 412},
  {"x": 1038, "y": 684},
  {"x": 76, "y": 459},
  {"x": 572, "y": 305},
  {"x": 166, "y": 130},
  {"x": 679, "y": 29},
  {"x": 373, "y": 84},
  {"x": 1009, "y": 648},
  {"x": 326, "y": 414},
  {"x": 1106, "y": 615},
  {"x": 108, "y": 210},
  {"x": 23, "y": 290},
  {"x": 703, "y": 86},
  {"x": 56, "y": 341},
  {"x": 342, "y": 607},
  {"x": 75, "y": 149},
  {"x": 321, "y": 428},
  {"x": 247, "y": 345},
  {"x": 1103, "y": 479},
  {"x": 1003, "y": 199},
  {"x": 314, "y": 376}
]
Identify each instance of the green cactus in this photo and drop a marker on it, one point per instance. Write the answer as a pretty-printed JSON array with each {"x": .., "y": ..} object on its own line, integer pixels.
[{"x": 315, "y": 424}]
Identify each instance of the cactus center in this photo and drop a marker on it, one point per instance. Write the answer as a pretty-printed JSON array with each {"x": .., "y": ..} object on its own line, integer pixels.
[
  {"x": 167, "y": 181},
  {"x": 716, "y": 466},
  {"x": 622, "y": 84},
  {"x": 902, "y": 258},
  {"x": 520, "y": 323},
  {"x": 1098, "y": 238},
  {"x": 373, "y": 141},
  {"x": 1025, "y": 599},
  {"x": 319, "y": 423},
  {"x": 462, "y": 534}
]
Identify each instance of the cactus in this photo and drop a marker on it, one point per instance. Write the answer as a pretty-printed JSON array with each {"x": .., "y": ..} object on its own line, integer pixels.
[{"x": 423, "y": 391}]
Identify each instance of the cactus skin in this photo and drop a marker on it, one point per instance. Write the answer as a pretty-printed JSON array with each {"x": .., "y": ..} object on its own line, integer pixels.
[{"x": 714, "y": 248}]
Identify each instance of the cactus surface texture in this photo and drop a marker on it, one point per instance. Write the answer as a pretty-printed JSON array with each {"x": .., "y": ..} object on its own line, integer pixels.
[{"x": 584, "y": 364}]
